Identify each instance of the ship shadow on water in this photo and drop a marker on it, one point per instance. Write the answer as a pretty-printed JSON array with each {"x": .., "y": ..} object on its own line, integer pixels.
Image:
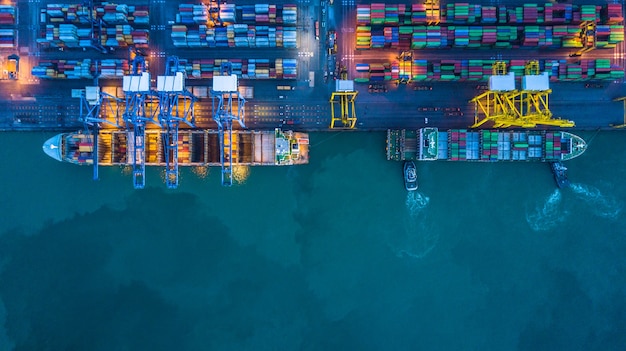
[
  {"x": 417, "y": 239},
  {"x": 550, "y": 213}
]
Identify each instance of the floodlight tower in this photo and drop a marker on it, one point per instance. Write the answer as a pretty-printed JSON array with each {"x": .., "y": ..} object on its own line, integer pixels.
[
  {"x": 136, "y": 87},
  {"x": 97, "y": 107},
  {"x": 228, "y": 106},
  {"x": 176, "y": 105}
]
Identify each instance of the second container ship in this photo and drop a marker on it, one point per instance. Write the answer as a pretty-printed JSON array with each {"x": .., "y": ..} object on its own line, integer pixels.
[{"x": 429, "y": 144}]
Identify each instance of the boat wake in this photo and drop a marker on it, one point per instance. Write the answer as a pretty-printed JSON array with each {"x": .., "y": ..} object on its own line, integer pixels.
[
  {"x": 604, "y": 206},
  {"x": 547, "y": 215},
  {"x": 417, "y": 240},
  {"x": 416, "y": 202}
]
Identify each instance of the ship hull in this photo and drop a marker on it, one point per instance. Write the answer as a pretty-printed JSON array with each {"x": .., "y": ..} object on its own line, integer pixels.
[
  {"x": 430, "y": 144},
  {"x": 199, "y": 148}
]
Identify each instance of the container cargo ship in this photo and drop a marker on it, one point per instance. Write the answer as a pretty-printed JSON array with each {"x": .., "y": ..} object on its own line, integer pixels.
[
  {"x": 195, "y": 148},
  {"x": 429, "y": 144}
]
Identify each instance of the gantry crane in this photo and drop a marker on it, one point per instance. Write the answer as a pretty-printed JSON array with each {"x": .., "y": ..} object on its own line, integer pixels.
[
  {"x": 587, "y": 37},
  {"x": 96, "y": 23},
  {"x": 139, "y": 110},
  {"x": 176, "y": 105},
  {"x": 343, "y": 97},
  {"x": 406, "y": 67},
  {"x": 506, "y": 106},
  {"x": 214, "y": 12},
  {"x": 227, "y": 107},
  {"x": 96, "y": 108},
  {"x": 433, "y": 12}
]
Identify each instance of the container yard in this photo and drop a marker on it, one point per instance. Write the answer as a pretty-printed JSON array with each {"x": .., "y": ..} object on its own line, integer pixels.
[{"x": 462, "y": 25}]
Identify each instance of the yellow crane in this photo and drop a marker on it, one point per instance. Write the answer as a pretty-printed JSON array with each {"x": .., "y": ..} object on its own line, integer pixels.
[
  {"x": 498, "y": 103},
  {"x": 433, "y": 12},
  {"x": 506, "y": 106},
  {"x": 342, "y": 99},
  {"x": 587, "y": 38}
]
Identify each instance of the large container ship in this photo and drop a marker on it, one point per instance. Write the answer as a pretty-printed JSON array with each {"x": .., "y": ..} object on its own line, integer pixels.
[
  {"x": 195, "y": 148},
  {"x": 429, "y": 144}
]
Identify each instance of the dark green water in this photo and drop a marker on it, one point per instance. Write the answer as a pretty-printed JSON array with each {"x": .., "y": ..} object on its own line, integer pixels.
[{"x": 330, "y": 256}]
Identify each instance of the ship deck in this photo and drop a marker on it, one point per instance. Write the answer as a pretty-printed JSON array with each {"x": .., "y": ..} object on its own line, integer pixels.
[{"x": 195, "y": 148}]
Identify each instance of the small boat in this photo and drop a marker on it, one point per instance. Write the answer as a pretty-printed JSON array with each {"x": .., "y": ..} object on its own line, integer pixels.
[
  {"x": 410, "y": 176},
  {"x": 560, "y": 174}
]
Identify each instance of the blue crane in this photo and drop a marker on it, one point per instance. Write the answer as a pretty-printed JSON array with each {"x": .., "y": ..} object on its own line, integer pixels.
[
  {"x": 139, "y": 111},
  {"x": 176, "y": 105},
  {"x": 97, "y": 107},
  {"x": 227, "y": 106},
  {"x": 96, "y": 26}
]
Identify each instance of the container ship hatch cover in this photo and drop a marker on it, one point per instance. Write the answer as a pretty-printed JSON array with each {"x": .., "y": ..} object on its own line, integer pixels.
[
  {"x": 429, "y": 144},
  {"x": 196, "y": 148}
]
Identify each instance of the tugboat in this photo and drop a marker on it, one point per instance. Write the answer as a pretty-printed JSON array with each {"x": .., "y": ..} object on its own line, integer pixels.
[
  {"x": 560, "y": 174},
  {"x": 410, "y": 176}
]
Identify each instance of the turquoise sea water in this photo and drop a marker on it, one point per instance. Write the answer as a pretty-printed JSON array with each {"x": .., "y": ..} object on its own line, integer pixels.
[{"x": 334, "y": 255}]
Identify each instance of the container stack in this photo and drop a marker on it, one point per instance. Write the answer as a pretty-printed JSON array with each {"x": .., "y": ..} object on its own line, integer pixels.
[
  {"x": 418, "y": 14},
  {"x": 420, "y": 70},
  {"x": 290, "y": 68},
  {"x": 123, "y": 36},
  {"x": 244, "y": 26},
  {"x": 68, "y": 26},
  {"x": 553, "y": 146},
  {"x": 489, "y": 145},
  {"x": 7, "y": 38},
  {"x": 363, "y": 37},
  {"x": 612, "y": 14},
  {"x": 113, "y": 14},
  {"x": 363, "y": 15},
  {"x": 530, "y": 14},
  {"x": 489, "y": 15},
  {"x": 377, "y": 72},
  {"x": 290, "y": 15},
  {"x": 377, "y": 14},
  {"x": 243, "y": 68},
  {"x": 616, "y": 35},
  {"x": 7, "y": 15},
  {"x": 63, "y": 69},
  {"x": 480, "y": 70},
  {"x": 588, "y": 13},
  {"x": 457, "y": 145},
  {"x": 62, "y": 36},
  {"x": 192, "y": 14},
  {"x": 227, "y": 13},
  {"x": 558, "y": 13},
  {"x": 113, "y": 68},
  {"x": 184, "y": 156}
]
